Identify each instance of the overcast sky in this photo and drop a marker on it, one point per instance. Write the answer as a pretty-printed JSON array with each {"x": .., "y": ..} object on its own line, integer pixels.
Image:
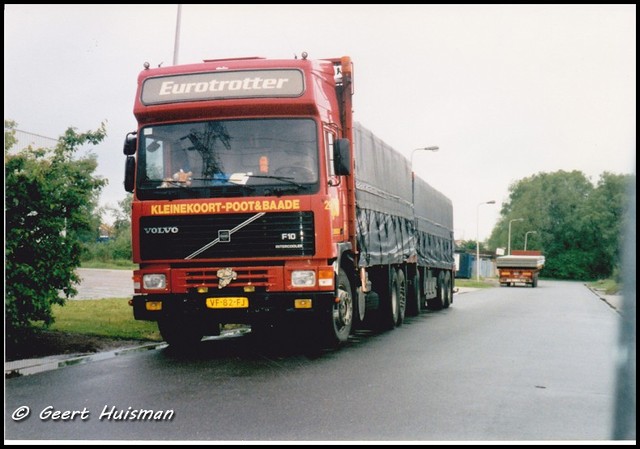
[{"x": 505, "y": 91}]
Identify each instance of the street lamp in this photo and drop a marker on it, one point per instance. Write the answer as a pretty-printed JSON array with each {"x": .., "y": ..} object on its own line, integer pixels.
[
  {"x": 413, "y": 192},
  {"x": 478, "y": 237},
  {"x": 509, "y": 243},
  {"x": 526, "y": 234},
  {"x": 434, "y": 148},
  {"x": 176, "y": 42}
]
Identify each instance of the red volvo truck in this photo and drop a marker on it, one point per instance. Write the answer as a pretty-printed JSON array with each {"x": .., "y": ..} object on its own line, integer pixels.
[{"x": 257, "y": 199}]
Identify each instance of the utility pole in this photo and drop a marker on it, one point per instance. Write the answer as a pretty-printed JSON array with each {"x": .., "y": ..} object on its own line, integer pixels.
[
  {"x": 176, "y": 44},
  {"x": 526, "y": 234},
  {"x": 509, "y": 243}
]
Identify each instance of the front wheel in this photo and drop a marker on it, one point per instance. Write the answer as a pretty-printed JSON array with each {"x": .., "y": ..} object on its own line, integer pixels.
[{"x": 337, "y": 325}]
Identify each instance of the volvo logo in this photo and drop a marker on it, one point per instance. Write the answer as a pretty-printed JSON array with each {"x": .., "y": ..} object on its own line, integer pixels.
[{"x": 162, "y": 230}]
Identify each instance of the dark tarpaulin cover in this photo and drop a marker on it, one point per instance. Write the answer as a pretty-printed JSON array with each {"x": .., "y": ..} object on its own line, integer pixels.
[
  {"x": 434, "y": 226},
  {"x": 388, "y": 230}
]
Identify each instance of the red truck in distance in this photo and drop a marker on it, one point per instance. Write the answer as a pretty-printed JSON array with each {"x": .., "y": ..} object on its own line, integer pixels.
[
  {"x": 521, "y": 267},
  {"x": 257, "y": 199}
]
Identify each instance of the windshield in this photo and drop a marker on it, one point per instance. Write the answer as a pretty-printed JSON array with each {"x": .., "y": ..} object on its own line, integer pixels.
[{"x": 228, "y": 158}]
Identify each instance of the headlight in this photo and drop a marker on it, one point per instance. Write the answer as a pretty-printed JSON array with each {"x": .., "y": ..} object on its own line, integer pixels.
[
  {"x": 303, "y": 278},
  {"x": 154, "y": 281}
]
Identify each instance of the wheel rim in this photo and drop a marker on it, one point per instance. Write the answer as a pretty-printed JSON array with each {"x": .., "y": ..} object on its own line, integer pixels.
[
  {"x": 416, "y": 289},
  {"x": 362, "y": 305},
  {"x": 343, "y": 310},
  {"x": 447, "y": 289},
  {"x": 394, "y": 300},
  {"x": 402, "y": 298}
]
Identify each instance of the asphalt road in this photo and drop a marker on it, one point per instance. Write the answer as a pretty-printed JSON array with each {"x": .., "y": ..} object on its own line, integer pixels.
[
  {"x": 100, "y": 283},
  {"x": 502, "y": 364}
]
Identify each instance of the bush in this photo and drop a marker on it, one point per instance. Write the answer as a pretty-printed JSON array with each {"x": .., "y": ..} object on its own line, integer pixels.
[{"x": 49, "y": 197}]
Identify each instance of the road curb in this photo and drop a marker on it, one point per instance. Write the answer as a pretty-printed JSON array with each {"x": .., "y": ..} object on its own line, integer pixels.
[
  {"x": 27, "y": 367},
  {"x": 18, "y": 368},
  {"x": 613, "y": 301}
]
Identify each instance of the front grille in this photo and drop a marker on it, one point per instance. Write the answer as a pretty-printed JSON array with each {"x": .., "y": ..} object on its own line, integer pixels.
[
  {"x": 259, "y": 277},
  {"x": 194, "y": 237},
  {"x": 190, "y": 278}
]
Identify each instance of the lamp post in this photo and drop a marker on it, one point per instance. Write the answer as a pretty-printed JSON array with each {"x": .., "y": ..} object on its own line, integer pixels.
[
  {"x": 526, "y": 234},
  {"x": 509, "y": 241},
  {"x": 176, "y": 43},
  {"x": 478, "y": 237},
  {"x": 413, "y": 191},
  {"x": 434, "y": 148}
]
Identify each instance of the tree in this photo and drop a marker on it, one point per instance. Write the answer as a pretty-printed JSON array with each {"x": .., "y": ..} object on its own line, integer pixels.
[
  {"x": 471, "y": 246},
  {"x": 49, "y": 196},
  {"x": 121, "y": 244},
  {"x": 9, "y": 134},
  {"x": 607, "y": 211},
  {"x": 122, "y": 229},
  {"x": 467, "y": 245}
]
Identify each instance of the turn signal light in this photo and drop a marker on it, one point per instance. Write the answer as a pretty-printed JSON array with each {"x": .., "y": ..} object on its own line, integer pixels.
[
  {"x": 302, "y": 303},
  {"x": 325, "y": 278},
  {"x": 153, "y": 305}
]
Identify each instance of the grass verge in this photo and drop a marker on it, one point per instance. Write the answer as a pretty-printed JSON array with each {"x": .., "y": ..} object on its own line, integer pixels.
[
  {"x": 472, "y": 283},
  {"x": 608, "y": 286},
  {"x": 111, "y": 318},
  {"x": 109, "y": 265}
]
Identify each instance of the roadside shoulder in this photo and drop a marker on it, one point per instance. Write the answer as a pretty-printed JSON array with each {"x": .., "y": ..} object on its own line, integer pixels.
[{"x": 614, "y": 301}]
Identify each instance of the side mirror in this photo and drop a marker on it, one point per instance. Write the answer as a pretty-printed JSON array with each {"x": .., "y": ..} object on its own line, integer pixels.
[
  {"x": 129, "y": 173},
  {"x": 342, "y": 158},
  {"x": 130, "y": 143}
]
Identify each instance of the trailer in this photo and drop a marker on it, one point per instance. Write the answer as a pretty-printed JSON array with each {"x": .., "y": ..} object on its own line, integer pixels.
[{"x": 521, "y": 267}]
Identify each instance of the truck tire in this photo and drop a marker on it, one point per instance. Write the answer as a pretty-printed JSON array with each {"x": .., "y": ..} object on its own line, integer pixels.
[
  {"x": 389, "y": 311},
  {"x": 336, "y": 325},
  {"x": 180, "y": 332},
  {"x": 359, "y": 309},
  {"x": 414, "y": 296},
  {"x": 437, "y": 303},
  {"x": 447, "y": 293},
  {"x": 401, "y": 295},
  {"x": 534, "y": 283}
]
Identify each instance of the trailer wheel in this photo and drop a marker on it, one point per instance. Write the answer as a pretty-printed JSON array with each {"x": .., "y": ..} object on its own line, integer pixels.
[
  {"x": 437, "y": 303},
  {"x": 359, "y": 308},
  {"x": 447, "y": 296},
  {"x": 413, "y": 294},
  {"x": 401, "y": 295},
  {"x": 389, "y": 310},
  {"x": 180, "y": 332},
  {"x": 336, "y": 325}
]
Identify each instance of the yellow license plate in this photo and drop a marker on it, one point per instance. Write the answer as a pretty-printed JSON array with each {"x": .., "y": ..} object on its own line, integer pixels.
[{"x": 231, "y": 302}]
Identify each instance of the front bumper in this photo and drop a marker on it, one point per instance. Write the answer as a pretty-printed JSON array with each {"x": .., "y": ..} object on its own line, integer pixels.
[{"x": 263, "y": 307}]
